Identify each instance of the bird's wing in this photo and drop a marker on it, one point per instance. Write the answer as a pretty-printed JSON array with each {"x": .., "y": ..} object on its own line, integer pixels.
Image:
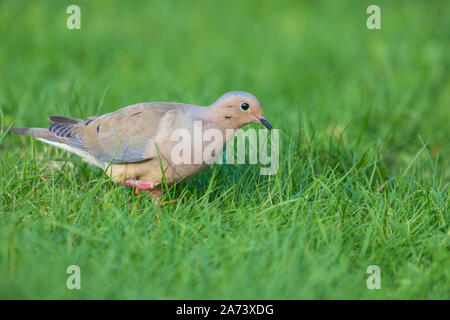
[{"x": 124, "y": 136}]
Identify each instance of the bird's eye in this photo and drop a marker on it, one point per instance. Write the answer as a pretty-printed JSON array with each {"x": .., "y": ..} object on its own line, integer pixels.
[{"x": 244, "y": 106}]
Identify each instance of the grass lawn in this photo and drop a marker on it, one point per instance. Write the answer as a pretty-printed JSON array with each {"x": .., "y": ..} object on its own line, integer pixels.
[{"x": 364, "y": 157}]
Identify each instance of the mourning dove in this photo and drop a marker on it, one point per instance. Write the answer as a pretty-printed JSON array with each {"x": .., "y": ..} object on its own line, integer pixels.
[{"x": 133, "y": 143}]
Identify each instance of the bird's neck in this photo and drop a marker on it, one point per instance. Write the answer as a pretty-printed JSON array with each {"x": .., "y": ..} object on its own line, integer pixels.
[
  {"x": 208, "y": 116},
  {"x": 212, "y": 118}
]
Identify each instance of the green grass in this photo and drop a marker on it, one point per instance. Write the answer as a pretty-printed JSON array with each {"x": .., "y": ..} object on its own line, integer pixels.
[{"x": 364, "y": 159}]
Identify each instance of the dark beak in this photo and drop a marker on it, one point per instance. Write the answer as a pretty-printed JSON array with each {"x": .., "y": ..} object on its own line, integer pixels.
[{"x": 265, "y": 123}]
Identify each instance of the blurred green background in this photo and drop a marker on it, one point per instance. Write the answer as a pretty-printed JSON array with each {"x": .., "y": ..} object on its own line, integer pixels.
[
  {"x": 314, "y": 59},
  {"x": 342, "y": 96}
]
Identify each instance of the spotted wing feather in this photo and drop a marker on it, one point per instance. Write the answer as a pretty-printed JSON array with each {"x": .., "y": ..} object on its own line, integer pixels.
[{"x": 124, "y": 136}]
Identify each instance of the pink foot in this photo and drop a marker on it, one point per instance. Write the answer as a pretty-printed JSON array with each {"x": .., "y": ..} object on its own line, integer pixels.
[{"x": 139, "y": 185}]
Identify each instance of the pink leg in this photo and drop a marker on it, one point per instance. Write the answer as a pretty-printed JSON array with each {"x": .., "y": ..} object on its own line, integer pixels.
[{"x": 139, "y": 185}]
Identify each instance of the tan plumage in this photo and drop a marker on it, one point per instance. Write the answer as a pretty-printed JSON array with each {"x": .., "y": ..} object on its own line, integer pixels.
[{"x": 131, "y": 137}]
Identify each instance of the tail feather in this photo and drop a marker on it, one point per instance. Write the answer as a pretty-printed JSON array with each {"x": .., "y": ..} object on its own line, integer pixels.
[
  {"x": 43, "y": 133},
  {"x": 21, "y": 131},
  {"x": 40, "y": 133}
]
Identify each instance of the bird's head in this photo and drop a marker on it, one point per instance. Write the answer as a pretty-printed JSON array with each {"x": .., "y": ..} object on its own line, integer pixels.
[{"x": 238, "y": 108}]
